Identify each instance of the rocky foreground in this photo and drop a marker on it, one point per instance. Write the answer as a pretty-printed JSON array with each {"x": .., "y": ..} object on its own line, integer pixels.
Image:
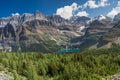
[
  {"x": 114, "y": 77},
  {"x": 4, "y": 76}
]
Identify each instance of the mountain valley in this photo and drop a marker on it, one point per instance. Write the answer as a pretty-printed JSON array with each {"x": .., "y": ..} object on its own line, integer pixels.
[{"x": 40, "y": 33}]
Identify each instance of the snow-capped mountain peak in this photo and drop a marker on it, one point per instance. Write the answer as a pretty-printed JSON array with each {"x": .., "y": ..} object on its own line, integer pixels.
[
  {"x": 117, "y": 17},
  {"x": 16, "y": 14},
  {"x": 101, "y": 17}
]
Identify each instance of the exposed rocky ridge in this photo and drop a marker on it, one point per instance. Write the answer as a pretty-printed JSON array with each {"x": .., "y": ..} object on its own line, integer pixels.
[
  {"x": 112, "y": 37},
  {"x": 20, "y": 19},
  {"x": 117, "y": 17},
  {"x": 102, "y": 17},
  {"x": 114, "y": 77},
  {"x": 4, "y": 76},
  {"x": 57, "y": 20},
  {"x": 80, "y": 20},
  {"x": 96, "y": 29},
  {"x": 36, "y": 29}
]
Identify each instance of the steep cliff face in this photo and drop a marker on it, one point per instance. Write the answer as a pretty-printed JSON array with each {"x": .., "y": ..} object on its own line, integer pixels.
[
  {"x": 57, "y": 20},
  {"x": 8, "y": 30},
  {"x": 83, "y": 20},
  {"x": 30, "y": 32},
  {"x": 36, "y": 32},
  {"x": 117, "y": 17},
  {"x": 17, "y": 19},
  {"x": 96, "y": 29},
  {"x": 111, "y": 38}
]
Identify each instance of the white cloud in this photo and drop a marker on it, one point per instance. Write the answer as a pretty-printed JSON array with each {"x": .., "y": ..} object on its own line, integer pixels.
[
  {"x": 83, "y": 13},
  {"x": 94, "y": 4},
  {"x": 114, "y": 11},
  {"x": 67, "y": 11},
  {"x": 103, "y": 3},
  {"x": 90, "y": 4},
  {"x": 15, "y": 14},
  {"x": 74, "y": 6}
]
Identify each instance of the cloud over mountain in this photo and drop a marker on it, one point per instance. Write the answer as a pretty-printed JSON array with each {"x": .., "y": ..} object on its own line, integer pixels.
[
  {"x": 15, "y": 14},
  {"x": 82, "y": 13},
  {"x": 114, "y": 11},
  {"x": 67, "y": 11},
  {"x": 70, "y": 10},
  {"x": 94, "y": 4}
]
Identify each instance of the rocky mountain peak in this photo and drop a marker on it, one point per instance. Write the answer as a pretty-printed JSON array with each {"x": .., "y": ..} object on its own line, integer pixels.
[
  {"x": 16, "y": 14},
  {"x": 38, "y": 15},
  {"x": 57, "y": 20},
  {"x": 26, "y": 17},
  {"x": 14, "y": 20},
  {"x": 37, "y": 27},
  {"x": 83, "y": 20},
  {"x": 117, "y": 17},
  {"x": 100, "y": 17},
  {"x": 4, "y": 21}
]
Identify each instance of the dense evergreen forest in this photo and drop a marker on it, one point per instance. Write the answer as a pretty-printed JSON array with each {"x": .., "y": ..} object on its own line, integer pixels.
[{"x": 85, "y": 65}]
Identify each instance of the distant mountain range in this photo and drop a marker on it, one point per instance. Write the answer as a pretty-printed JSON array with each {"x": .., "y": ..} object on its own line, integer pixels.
[{"x": 40, "y": 33}]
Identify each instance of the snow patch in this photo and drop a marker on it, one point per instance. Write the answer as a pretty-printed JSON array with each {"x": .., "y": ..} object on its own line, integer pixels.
[{"x": 80, "y": 29}]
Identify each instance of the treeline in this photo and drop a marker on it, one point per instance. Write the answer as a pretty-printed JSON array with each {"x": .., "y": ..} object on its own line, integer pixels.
[{"x": 86, "y": 65}]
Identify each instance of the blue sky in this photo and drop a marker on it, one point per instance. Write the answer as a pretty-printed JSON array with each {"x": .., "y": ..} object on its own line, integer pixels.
[{"x": 49, "y": 7}]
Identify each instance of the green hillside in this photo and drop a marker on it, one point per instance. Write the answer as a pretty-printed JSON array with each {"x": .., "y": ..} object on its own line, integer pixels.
[{"x": 85, "y": 65}]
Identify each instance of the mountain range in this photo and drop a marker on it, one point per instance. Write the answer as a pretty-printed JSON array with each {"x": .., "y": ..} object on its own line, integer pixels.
[{"x": 40, "y": 33}]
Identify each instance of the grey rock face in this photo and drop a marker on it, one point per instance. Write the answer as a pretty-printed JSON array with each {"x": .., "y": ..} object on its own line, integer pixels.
[
  {"x": 57, "y": 20},
  {"x": 117, "y": 17},
  {"x": 114, "y": 77},
  {"x": 4, "y": 76},
  {"x": 112, "y": 37},
  {"x": 20, "y": 19},
  {"x": 36, "y": 29},
  {"x": 4, "y": 21},
  {"x": 95, "y": 30},
  {"x": 83, "y": 21},
  {"x": 27, "y": 26},
  {"x": 38, "y": 15}
]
